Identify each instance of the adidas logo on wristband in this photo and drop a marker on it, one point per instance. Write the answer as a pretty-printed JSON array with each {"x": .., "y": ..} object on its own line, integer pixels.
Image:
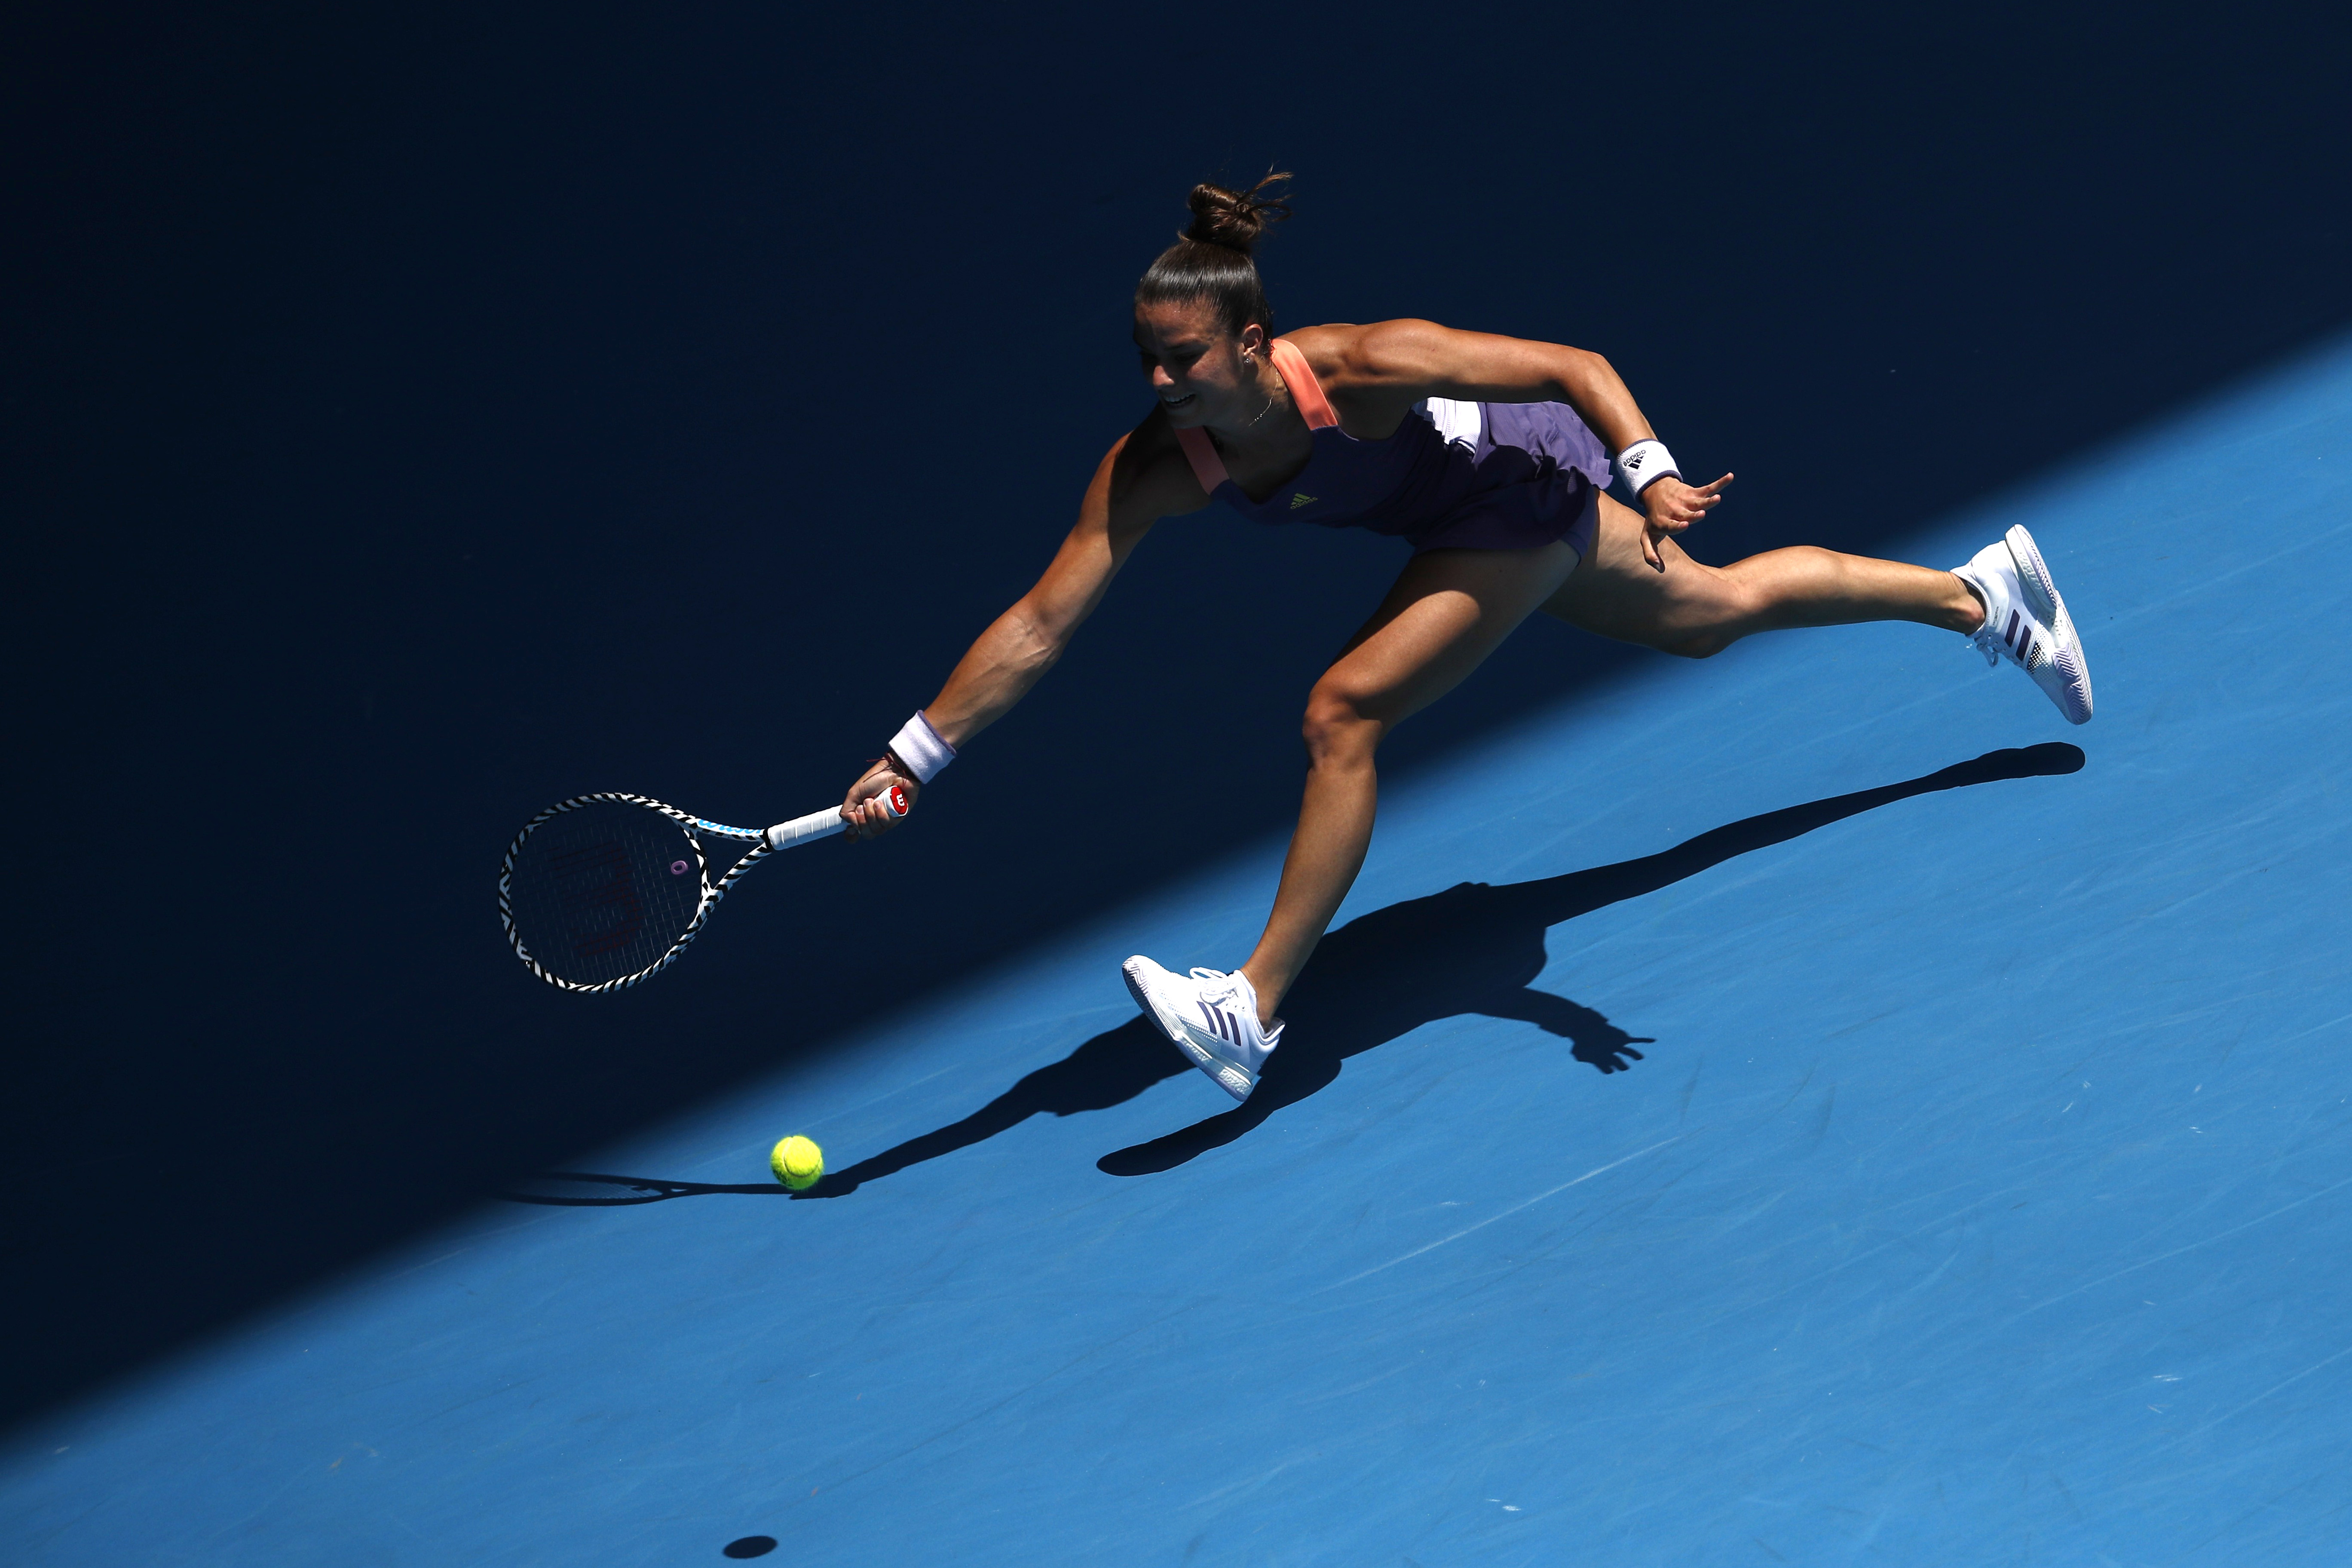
[
  {"x": 920, "y": 748},
  {"x": 1646, "y": 461}
]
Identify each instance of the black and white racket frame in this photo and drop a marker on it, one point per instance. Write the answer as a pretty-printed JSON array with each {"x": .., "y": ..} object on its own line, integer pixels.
[{"x": 764, "y": 842}]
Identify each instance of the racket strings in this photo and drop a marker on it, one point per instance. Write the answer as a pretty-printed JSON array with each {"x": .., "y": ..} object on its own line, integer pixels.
[{"x": 602, "y": 892}]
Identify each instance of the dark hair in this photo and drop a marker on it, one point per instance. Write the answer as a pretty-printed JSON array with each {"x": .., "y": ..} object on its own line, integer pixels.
[{"x": 1211, "y": 258}]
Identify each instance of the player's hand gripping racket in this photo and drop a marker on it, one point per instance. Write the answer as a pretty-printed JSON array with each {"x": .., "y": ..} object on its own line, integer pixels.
[{"x": 600, "y": 891}]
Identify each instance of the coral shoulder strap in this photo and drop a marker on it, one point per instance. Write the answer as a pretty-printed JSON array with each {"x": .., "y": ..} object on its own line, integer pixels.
[
  {"x": 1305, "y": 392},
  {"x": 1201, "y": 453}
]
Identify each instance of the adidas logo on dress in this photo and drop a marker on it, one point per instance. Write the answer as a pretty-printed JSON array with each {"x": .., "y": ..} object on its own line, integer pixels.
[{"x": 1299, "y": 498}]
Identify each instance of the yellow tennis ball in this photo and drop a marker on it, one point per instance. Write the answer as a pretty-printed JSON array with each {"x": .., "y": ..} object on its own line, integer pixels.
[{"x": 797, "y": 1162}]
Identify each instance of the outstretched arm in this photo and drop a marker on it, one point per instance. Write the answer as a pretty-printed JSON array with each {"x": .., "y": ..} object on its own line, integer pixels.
[
  {"x": 1421, "y": 359},
  {"x": 1142, "y": 478}
]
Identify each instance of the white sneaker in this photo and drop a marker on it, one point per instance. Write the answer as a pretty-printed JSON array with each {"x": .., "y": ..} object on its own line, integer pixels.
[
  {"x": 1213, "y": 1019},
  {"x": 2026, "y": 622}
]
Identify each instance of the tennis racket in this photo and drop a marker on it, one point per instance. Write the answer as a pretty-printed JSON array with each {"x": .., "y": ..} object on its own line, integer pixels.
[{"x": 601, "y": 891}]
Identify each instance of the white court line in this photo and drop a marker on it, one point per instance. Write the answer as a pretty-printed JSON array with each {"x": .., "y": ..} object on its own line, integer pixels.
[{"x": 1527, "y": 1202}]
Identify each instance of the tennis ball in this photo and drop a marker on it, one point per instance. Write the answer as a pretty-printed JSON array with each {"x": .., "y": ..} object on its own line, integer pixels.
[{"x": 798, "y": 1162}]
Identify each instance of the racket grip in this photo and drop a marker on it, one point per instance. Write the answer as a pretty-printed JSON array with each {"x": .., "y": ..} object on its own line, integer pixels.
[{"x": 827, "y": 823}]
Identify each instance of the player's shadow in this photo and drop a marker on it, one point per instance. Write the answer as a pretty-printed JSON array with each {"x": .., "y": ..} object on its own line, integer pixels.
[{"x": 1473, "y": 949}]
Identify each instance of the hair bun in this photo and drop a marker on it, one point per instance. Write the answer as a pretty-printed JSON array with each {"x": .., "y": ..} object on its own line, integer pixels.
[{"x": 1235, "y": 219}]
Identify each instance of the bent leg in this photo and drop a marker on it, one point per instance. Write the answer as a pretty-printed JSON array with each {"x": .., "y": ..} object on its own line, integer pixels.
[
  {"x": 1449, "y": 610},
  {"x": 1696, "y": 610}
]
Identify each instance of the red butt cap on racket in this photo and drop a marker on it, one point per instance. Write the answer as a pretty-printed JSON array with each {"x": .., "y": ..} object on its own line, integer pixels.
[{"x": 892, "y": 800}]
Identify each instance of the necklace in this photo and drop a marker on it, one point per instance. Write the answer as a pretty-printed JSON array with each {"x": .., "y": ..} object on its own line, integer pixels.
[{"x": 1261, "y": 413}]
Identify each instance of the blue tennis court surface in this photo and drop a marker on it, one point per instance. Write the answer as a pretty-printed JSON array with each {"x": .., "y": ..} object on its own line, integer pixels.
[{"x": 1979, "y": 1191}]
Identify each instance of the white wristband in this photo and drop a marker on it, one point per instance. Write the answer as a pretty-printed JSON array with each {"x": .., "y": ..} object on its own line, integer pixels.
[
  {"x": 919, "y": 746},
  {"x": 1645, "y": 463}
]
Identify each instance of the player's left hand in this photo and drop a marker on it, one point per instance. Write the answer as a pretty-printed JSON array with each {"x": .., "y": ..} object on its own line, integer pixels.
[{"x": 1670, "y": 506}]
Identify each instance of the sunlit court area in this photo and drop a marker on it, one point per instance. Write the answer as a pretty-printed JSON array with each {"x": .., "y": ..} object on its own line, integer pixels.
[{"x": 1788, "y": 1082}]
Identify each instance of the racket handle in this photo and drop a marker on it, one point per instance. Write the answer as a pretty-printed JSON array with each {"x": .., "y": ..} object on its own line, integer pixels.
[{"x": 827, "y": 823}]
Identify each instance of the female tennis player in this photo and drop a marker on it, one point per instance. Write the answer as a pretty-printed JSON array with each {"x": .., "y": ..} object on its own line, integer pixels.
[{"x": 1490, "y": 456}]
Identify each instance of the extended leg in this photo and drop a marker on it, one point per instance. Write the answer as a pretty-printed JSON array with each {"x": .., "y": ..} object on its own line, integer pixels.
[
  {"x": 1696, "y": 610},
  {"x": 1447, "y": 612}
]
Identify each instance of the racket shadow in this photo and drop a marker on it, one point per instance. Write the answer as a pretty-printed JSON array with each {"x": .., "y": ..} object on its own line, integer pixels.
[{"x": 1474, "y": 949}]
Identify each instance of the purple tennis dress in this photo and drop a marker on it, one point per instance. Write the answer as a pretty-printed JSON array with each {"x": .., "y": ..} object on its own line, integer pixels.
[{"x": 1455, "y": 475}]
